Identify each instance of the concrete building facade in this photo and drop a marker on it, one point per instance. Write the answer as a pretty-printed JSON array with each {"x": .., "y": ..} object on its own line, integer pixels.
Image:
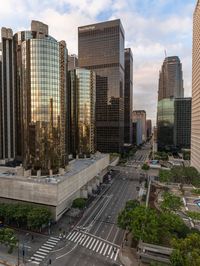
[
  {"x": 57, "y": 191},
  {"x": 195, "y": 133}
]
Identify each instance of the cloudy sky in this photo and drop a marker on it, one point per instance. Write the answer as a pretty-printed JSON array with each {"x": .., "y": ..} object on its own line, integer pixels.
[{"x": 151, "y": 27}]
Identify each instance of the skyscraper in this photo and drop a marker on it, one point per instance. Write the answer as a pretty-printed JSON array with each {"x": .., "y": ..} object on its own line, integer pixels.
[
  {"x": 7, "y": 97},
  {"x": 40, "y": 82},
  {"x": 195, "y": 133},
  {"x": 82, "y": 90},
  {"x": 182, "y": 122},
  {"x": 72, "y": 61},
  {"x": 171, "y": 79},
  {"x": 101, "y": 48},
  {"x": 128, "y": 95},
  {"x": 170, "y": 87},
  {"x": 139, "y": 117}
]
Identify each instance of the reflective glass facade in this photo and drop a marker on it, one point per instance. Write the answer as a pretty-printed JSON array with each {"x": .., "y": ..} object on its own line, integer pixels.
[
  {"x": 165, "y": 123},
  {"x": 171, "y": 79},
  {"x": 101, "y": 49},
  {"x": 128, "y": 95},
  {"x": 41, "y": 96},
  {"x": 82, "y": 87}
]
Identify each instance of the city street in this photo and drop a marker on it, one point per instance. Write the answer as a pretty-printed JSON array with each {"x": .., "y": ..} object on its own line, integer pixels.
[
  {"x": 96, "y": 239},
  {"x": 140, "y": 157}
]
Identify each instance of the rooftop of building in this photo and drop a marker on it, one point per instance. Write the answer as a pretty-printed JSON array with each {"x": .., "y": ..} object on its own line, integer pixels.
[
  {"x": 75, "y": 166},
  {"x": 104, "y": 24}
]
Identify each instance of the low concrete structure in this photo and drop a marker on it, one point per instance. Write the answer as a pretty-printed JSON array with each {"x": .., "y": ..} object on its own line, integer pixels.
[{"x": 56, "y": 191}]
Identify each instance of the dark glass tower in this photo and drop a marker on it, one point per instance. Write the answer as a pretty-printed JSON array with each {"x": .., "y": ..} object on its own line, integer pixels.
[
  {"x": 171, "y": 79},
  {"x": 182, "y": 122},
  {"x": 170, "y": 87},
  {"x": 7, "y": 97},
  {"x": 128, "y": 95},
  {"x": 82, "y": 89},
  {"x": 101, "y": 48}
]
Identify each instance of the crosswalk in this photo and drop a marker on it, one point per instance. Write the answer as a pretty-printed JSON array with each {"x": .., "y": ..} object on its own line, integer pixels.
[
  {"x": 44, "y": 250},
  {"x": 95, "y": 244}
]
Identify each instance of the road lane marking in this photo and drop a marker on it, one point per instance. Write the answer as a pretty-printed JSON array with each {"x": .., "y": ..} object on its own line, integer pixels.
[
  {"x": 109, "y": 250},
  {"x": 102, "y": 248},
  {"x": 44, "y": 250},
  {"x": 37, "y": 259},
  {"x": 51, "y": 243},
  {"x": 72, "y": 239},
  {"x": 85, "y": 240},
  {"x": 39, "y": 256},
  {"x": 99, "y": 246},
  {"x": 92, "y": 243},
  {"x": 89, "y": 242},
  {"x": 95, "y": 244},
  {"x": 112, "y": 254},
  {"x": 55, "y": 238},
  {"x": 47, "y": 247},
  {"x": 71, "y": 235},
  {"x": 39, "y": 252},
  {"x": 77, "y": 237},
  {"x": 116, "y": 255},
  {"x": 105, "y": 250}
]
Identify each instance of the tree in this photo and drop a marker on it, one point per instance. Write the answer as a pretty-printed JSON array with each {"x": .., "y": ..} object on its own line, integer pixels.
[
  {"x": 186, "y": 251},
  {"x": 145, "y": 167},
  {"x": 194, "y": 215},
  {"x": 165, "y": 176},
  {"x": 125, "y": 217},
  {"x": 38, "y": 217},
  {"x": 8, "y": 238},
  {"x": 171, "y": 202},
  {"x": 145, "y": 225},
  {"x": 79, "y": 203}
]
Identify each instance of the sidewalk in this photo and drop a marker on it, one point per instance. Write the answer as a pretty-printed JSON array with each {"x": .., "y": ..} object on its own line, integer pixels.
[{"x": 128, "y": 256}]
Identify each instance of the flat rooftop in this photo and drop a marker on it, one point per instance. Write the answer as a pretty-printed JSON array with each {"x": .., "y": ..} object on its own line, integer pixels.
[{"x": 75, "y": 166}]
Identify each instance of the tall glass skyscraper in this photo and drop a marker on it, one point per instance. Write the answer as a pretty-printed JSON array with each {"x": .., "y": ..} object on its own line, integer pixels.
[
  {"x": 7, "y": 98},
  {"x": 82, "y": 90},
  {"x": 128, "y": 95},
  {"x": 170, "y": 87},
  {"x": 101, "y": 48},
  {"x": 171, "y": 79},
  {"x": 40, "y": 79},
  {"x": 195, "y": 133}
]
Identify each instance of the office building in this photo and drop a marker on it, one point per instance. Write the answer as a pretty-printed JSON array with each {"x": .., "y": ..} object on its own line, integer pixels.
[
  {"x": 171, "y": 79},
  {"x": 139, "y": 117},
  {"x": 40, "y": 82},
  {"x": 72, "y": 62},
  {"x": 101, "y": 48},
  {"x": 82, "y": 89},
  {"x": 7, "y": 98},
  {"x": 149, "y": 128},
  {"x": 165, "y": 124},
  {"x": 182, "y": 122},
  {"x": 195, "y": 133},
  {"x": 128, "y": 95}
]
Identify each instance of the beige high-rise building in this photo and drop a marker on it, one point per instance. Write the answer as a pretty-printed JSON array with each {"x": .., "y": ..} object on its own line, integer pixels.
[{"x": 195, "y": 134}]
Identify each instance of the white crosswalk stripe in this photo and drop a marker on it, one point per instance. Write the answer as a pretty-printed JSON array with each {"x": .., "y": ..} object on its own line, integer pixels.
[
  {"x": 44, "y": 250},
  {"x": 93, "y": 243}
]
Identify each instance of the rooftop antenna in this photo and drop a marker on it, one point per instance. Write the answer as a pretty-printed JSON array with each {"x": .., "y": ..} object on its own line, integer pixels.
[{"x": 165, "y": 53}]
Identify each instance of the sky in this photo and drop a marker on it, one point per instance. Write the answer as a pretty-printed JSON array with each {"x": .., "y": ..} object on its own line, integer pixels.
[{"x": 151, "y": 27}]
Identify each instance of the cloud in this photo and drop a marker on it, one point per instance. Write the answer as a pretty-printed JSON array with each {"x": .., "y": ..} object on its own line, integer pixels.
[{"x": 151, "y": 27}]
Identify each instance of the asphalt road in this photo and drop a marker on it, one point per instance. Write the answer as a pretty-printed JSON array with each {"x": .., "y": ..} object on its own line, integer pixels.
[{"x": 96, "y": 239}]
